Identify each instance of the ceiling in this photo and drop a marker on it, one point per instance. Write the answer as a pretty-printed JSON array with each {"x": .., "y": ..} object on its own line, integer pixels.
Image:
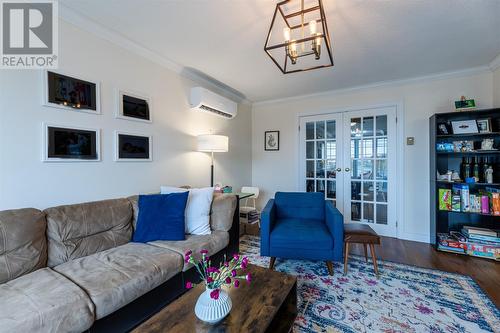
[{"x": 374, "y": 41}]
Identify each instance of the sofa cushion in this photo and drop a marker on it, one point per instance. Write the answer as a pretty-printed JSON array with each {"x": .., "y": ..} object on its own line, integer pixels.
[
  {"x": 223, "y": 207},
  {"x": 161, "y": 217},
  {"x": 23, "y": 247},
  {"x": 300, "y": 205},
  {"x": 75, "y": 231},
  {"x": 44, "y": 301},
  {"x": 214, "y": 242},
  {"x": 301, "y": 234},
  {"x": 116, "y": 277}
]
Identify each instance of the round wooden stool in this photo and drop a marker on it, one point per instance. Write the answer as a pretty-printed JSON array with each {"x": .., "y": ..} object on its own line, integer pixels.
[{"x": 362, "y": 234}]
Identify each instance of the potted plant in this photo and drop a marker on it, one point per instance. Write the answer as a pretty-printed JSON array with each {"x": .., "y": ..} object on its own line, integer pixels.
[{"x": 214, "y": 304}]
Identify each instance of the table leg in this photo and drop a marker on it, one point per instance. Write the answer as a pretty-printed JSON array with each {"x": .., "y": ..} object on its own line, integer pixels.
[
  {"x": 271, "y": 263},
  {"x": 346, "y": 256},
  {"x": 374, "y": 257}
]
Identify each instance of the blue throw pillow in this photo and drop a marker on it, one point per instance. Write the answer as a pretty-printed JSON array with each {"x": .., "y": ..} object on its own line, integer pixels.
[{"x": 161, "y": 217}]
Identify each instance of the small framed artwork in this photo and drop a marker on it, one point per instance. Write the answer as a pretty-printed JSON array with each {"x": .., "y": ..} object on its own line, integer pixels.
[
  {"x": 443, "y": 129},
  {"x": 70, "y": 144},
  {"x": 464, "y": 127},
  {"x": 133, "y": 147},
  {"x": 134, "y": 106},
  {"x": 484, "y": 125},
  {"x": 272, "y": 140},
  {"x": 71, "y": 93}
]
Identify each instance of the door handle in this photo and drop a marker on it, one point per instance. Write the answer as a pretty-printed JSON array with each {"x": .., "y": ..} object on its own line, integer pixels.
[
  {"x": 339, "y": 169},
  {"x": 347, "y": 169}
]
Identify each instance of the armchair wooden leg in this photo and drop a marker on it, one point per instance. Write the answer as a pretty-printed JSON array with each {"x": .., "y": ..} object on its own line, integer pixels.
[
  {"x": 329, "y": 265},
  {"x": 366, "y": 253},
  {"x": 346, "y": 256},
  {"x": 271, "y": 263},
  {"x": 374, "y": 258}
]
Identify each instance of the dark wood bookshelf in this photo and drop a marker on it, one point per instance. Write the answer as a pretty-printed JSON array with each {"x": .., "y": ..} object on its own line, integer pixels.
[{"x": 444, "y": 221}]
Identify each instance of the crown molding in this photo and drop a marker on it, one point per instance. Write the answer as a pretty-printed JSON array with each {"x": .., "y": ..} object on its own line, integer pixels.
[
  {"x": 87, "y": 24},
  {"x": 495, "y": 63},
  {"x": 381, "y": 84}
]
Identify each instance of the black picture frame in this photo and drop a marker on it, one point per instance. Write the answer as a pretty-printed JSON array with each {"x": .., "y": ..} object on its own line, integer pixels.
[
  {"x": 71, "y": 144},
  {"x": 133, "y": 147},
  {"x": 67, "y": 92},
  {"x": 272, "y": 140},
  {"x": 484, "y": 125},
  {"x": 443, "y": 129}
]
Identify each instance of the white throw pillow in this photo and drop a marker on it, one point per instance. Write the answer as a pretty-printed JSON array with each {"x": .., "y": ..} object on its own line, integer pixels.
[{"x": 197, "y": 212}]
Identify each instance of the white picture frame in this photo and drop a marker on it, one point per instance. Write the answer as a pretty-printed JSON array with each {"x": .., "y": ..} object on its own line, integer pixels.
[
  {"x": 45, "y": 143},
  {"x": 119, "y": 114},
  {"x": 118, "y": 158},
  {"x": 464, "y": 127},
  {"x": 47, "y": 103}
]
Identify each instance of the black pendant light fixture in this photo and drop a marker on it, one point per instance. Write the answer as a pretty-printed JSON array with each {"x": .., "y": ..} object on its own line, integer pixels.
[{"x": 296, "y": 36}]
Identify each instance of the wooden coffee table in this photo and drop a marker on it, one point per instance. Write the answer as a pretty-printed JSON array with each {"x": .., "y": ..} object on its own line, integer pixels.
[{"x": 268, "y": 304}]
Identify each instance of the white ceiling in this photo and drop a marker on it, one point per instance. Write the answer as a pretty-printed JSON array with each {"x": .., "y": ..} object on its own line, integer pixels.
[{"x": 374, "y": 40}]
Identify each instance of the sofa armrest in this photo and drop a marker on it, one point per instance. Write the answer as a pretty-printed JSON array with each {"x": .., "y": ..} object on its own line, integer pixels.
[
  {"x": 268, "y": 218},
  {"x": 335, "y": 223}
]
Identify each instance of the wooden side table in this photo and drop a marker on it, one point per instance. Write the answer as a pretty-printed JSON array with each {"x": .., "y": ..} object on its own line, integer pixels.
[{"x": 361, "y": 234}]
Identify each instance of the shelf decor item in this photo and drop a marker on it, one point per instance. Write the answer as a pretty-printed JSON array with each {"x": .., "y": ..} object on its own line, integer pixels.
[
  {"x": 214, "y": 304},
  {"x": 464, "y": 127},
  {"x": 297, "y": 34},
  {"x": 465, "y": 104}
]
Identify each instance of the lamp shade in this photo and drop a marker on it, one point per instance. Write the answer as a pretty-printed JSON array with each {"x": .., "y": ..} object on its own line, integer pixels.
[{"x": 213, "y": 143}]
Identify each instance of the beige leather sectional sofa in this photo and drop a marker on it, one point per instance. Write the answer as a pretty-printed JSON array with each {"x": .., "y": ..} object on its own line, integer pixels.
[{"x": 64, "y": 268}]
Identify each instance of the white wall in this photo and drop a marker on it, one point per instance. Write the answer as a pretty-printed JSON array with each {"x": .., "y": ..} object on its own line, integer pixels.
[
  {"x": 496, "y": 88},
  {"x": 26, "y": 181},
  {"x": 278, "y": 171}
]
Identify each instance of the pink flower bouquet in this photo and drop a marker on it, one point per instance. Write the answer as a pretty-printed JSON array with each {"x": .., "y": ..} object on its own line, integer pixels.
[{"x": 215, "y": 278}]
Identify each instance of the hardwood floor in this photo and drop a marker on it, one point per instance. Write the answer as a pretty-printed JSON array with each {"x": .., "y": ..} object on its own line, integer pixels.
[{"x": 484, "y": 271}]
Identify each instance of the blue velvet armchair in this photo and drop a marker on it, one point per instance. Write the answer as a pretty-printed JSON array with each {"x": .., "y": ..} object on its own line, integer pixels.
[{"x": 302, "y": 226}]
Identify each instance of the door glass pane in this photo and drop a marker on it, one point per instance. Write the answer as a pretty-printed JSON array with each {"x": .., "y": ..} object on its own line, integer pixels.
[
  {"x": 355, "y": 127},
  {"x": 381, "y": 214},
  {"x": 320, "y": 130},
  {"x": 331, "y": 149},
  {"x": 355, "y": 190},
  {"x": 381, "y": 125},
  {"x": 309, "y": 131},
  {"x": 367, "y": 148},
  {"x": 310, "y": 169},
  {"x": 368, "y": 191},
  {"x": 320, "y": 169},
  {"x": 330, "y": 129},
  {"x": 367, "y": 170},
  {"x": 320, "y": 186},
  {"x": 381, "y": 166},
  {"x": 382, "y": 147},
  {"x": 320, "y": 150},
  {"x": 356, "y": 211},
  {"x": 368, "y": 212},
  {"x": 355, "y": 148},
  {"x": 309, "y": 185},
  {"x": 381, "y": 192},
  {"x": 356, "y": 169},
  {"x": 368, "y": 126},
  {"x": 330, "y": 169},
  {"x": 310, "y": 149},
  {"x": 330, "y": 189}
]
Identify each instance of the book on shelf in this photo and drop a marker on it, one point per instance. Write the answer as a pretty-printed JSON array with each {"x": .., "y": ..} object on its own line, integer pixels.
[{"x": 481, "y": 231}]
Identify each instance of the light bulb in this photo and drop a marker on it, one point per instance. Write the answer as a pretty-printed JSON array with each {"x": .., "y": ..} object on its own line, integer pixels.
[
  {"x": 293, "y": 46},
  {"x": 312, "y": 27},
  {"x": 286, "y": 33}
]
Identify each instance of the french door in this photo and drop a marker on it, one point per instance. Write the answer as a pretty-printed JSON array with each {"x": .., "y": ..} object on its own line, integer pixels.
[{"x": 351, "y": 158}]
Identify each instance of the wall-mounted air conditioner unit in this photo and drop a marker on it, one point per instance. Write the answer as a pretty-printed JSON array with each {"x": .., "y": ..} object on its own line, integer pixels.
[{"x": 204, "y": 100}]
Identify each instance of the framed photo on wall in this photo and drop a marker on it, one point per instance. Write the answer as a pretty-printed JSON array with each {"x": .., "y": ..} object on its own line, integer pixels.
[
  {"x": 134, "y": 106},
  {"x": 71, "y": 93},
  {"x": 70, "y": 144},
  {"x": 130, "y": 147},
  {"x": 272, "y": 140}
]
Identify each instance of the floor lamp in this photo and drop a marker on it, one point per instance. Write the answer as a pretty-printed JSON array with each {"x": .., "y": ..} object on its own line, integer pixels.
[{"x": 210, "y": 143}]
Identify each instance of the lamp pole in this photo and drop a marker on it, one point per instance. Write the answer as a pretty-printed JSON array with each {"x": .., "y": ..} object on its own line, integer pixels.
[{"x": 212, "y": 171}]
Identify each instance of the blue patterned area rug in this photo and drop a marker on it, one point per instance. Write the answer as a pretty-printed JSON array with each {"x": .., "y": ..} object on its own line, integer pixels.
[{"x": 404, "y": 299}]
